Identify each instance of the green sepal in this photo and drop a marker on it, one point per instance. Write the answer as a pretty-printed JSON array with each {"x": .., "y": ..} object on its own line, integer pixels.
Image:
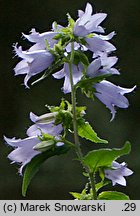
[
  {"x": 71, "y": 21},
  {"x": 112, "y": 195},
  {"x": 44, "y": 145},
  {"x": 33, "y": 166},
  {"x": 86, "y": 131},
  {"x": 104, "y": 157}
]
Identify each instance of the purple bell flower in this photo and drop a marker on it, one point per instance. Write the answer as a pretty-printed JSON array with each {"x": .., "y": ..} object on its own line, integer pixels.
[
  {"x": 102, "y": 65},
  {"x": 24, "y": 149},
  {"x": 33, "y": 62},
  {"x": 88, "y": 23},
  {"x": 23, "y": 152},
  {"x": 64, "y": 73},
  {"x": 117, "y": 173},
  {"x": 40, "y": 39},
  {"x": 96, "y": 44},
  {"x": 112, "y": 95},
  {"x": 45, "y": 124}
]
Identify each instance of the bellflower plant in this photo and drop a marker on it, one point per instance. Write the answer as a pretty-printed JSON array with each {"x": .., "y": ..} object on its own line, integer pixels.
[{"x": 81, "y": 54}]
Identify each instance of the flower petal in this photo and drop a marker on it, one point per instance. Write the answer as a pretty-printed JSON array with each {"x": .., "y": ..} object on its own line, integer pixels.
[
  {"x": 112, "y": 95},
  {"x": 96, "y": 44}
]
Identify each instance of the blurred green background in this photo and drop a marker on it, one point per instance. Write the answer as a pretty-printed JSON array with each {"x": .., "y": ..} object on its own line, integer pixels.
[{"x": 62, "y": 174}]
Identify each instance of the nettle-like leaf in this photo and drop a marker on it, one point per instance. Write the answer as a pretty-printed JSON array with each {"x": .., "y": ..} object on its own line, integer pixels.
[
  {"x": 33, "y": 167},
  {"x": 86, "y": 131},
  {"x": 112, "y": 195},
  {"x": 104, "y": 157}
]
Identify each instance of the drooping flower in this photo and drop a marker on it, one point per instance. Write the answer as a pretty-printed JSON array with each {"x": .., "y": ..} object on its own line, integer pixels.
[
  {"x": 64, "y": 73},
  {"x": 112, "y": 95},
  {"x": 96, "y": 44},
  {"x": 117, "y": 173},
  {"x": 45, "y": 124},
  {"x": 88, "y": 23},
  {"x": 102, "y": 65},
  {"x": 23, "y": 150},
  {"x": 33, "y": 62},
  {"x": 40, "y": 39}
]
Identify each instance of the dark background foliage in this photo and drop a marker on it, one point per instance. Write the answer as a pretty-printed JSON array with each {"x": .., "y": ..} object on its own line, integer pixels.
[{"x": 61, "y": 174}]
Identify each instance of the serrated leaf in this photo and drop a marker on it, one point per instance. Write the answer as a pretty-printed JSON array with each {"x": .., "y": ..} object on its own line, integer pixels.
[
  {"x": 33, "y": 167},
  {"x": 86, "y": 131},
  {"x": 112, "y": 195},
  {"x": 104, "y": 157}
]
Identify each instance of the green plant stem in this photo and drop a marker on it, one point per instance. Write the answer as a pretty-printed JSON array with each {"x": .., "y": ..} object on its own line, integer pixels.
[
  {"x": 92, "y": 182},
  {"x": 75, "y": 128},
  {"x": 73, "y": 99}
]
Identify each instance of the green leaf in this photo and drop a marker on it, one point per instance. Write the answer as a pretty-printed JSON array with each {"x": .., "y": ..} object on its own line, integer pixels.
[
  {"x": 81, "y": 196},
  {"x": 104, "y": 157},
  {"x": 112, "y": 195},
  {"x": 101, "y": 184},
  {"x": 86, "y": 131},
  {"x": 86, "y": 82},
  {"x": 33, "y": 167}
]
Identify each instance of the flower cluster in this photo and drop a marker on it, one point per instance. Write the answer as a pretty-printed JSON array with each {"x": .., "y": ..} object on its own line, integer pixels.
[
  {"x": 64, "y": 50},
  {"x": 87, "y": 34},
  {"x": 25, "y": 149}
]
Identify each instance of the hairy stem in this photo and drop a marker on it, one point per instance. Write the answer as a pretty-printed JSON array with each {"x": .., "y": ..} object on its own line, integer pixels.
[
  {"x": 75, "y": 128},
  {"x": 92, "y": 182},
  {"x": 73, "y": 99}
]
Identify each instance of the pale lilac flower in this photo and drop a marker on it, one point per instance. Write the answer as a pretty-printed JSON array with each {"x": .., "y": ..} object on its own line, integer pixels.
[
  {"x": 88, "y": 23},
  {"x": 33, "y": 62},
  {"x": 98, "y": 44},
  {"x": 24, "y": 148},
  {"x": 112, "y": 95},
  {"x": 40, "y": 39},
  {"x": 23, "y": 152},
  {"x": 64, "y": 73},
  {"x": 102, "y": 65},
  {"x": 117, "y": 172},
  {"x": 44, "y": 124}
]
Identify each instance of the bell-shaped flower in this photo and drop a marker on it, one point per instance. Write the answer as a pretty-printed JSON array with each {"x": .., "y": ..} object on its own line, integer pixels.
[
  {"x": 44, "y": 124},
  {"x": 33, "y": 62},
  {"x": 23, "y": 150},
  {"x": 40, "y": 39},
  {"x": 98, "y": 44},
  {"x": 117, "y": 173},
  {"x": 112, "y": 95},
  {"x": 88, "y": 23},
  {"x": 102, "y": 65},
  {"x": 65, "y": 73}
]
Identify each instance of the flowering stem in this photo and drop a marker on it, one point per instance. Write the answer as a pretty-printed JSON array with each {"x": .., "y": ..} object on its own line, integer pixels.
[
  {"x": 92, "y": 183},
  {"x": 76, "y": 138},
  {"x": 73, "y": 99}
]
